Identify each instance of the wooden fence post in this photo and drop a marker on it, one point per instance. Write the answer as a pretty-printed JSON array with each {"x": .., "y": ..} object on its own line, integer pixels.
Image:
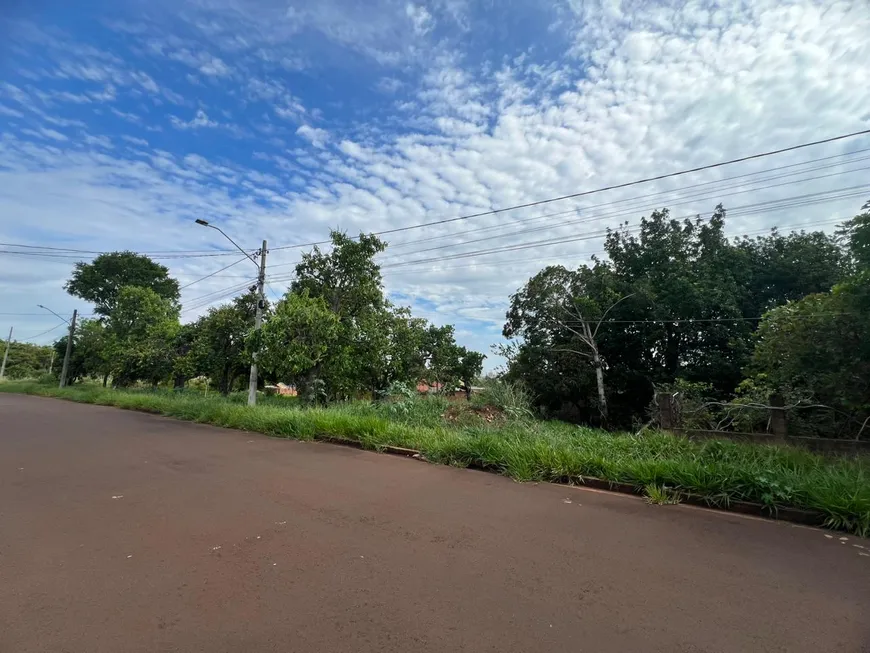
[
  {"x": 778, "y": 421},
  {"x": 665, "y": 403}
]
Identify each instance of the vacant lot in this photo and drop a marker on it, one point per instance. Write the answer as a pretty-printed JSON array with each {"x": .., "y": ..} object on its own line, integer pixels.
[{"x": 121, "y": 531}]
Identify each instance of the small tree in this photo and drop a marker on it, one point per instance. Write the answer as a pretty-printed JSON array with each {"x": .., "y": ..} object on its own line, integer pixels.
[{"x": 296, "y": 338}]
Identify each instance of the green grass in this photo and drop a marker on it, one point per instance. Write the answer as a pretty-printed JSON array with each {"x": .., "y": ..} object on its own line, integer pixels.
[
  {"x": 660, "y": 495},
  {"x": 529, "y": 450}
]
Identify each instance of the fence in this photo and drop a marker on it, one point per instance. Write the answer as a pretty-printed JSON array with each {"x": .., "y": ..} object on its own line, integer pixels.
[{"x": 671, "y": 418}]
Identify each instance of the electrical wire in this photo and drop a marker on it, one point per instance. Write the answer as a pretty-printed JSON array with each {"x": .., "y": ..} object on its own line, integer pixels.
[
  {"x": 208, "y": 276},
  {"x": 569, "y": 239},
  {"x": 602, "y": 189},
  {"x": 634, "y": 210},
  {"x": 39, "y": 335},
  {"x": 669, "y": 200}
]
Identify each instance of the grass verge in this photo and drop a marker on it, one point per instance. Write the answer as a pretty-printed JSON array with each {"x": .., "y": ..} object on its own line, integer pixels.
[{"x": 718, "y": 471}]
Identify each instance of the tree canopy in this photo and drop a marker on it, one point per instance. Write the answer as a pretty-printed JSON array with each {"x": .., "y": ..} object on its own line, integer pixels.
[
  {"x": 101, "y": 280},
  {"x": 682, "y": 301}
]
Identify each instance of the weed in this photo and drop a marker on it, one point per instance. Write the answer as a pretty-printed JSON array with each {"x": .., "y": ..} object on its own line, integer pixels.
[{"x": 660, "y": 495}]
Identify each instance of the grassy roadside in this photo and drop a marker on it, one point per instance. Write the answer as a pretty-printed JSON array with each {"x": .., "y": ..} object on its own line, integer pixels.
[{"x": 527, "y": 450}]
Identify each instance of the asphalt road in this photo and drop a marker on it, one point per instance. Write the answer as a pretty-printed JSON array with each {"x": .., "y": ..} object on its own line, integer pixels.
[{"x": 121, "y": 531}]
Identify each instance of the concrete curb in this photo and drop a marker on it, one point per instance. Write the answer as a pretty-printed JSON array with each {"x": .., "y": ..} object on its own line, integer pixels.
[{"x": 786, "y": 514}]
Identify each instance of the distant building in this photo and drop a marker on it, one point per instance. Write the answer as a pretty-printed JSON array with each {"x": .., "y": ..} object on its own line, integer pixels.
[{"x": 427, "y": 388}]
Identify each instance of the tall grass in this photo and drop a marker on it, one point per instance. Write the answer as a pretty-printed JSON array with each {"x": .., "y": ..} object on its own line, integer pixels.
[{"x": 718, "y": 471}]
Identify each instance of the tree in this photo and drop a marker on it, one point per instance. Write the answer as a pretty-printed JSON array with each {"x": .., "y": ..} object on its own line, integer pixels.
[
  {"x": 26, "y": 360},
  {"x": 346, "y": 278},
  {"x": 469, "y": 368},
  {"x": 218, "y": 342},
  {"x": 142, "y": 327},
  {"x": 295, "y": 340},
  {"x": 101, "y": 280},
  {"x": 818, "y": 348},
  {"x": 694, "y": 300}
]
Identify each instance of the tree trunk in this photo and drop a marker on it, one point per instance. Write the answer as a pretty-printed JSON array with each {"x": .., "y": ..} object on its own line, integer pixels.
[
  {"x": 602, "y": 397},
  {"x": 105, "y": 379}
]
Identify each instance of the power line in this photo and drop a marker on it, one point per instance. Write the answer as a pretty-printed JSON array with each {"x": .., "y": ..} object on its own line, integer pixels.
[
  {"x": 553, "y": 257},
  {"x": 628, "y": 212},
  {"x": 606, "y": 188},
  {"x": 669, "y": 201},
  {"x": 208, "y": 276},
  {"x": 598, "y": 234},
  {"x": 541, "y": 243},
  {"x": 39, "y": 335}
]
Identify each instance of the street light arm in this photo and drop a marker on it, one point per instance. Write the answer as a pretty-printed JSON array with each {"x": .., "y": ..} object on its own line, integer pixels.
[
  {"x": 238, "y": 247},
  {"x": 53, "y": 313}
]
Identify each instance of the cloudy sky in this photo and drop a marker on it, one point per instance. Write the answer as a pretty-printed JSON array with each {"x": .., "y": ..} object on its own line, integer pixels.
[{"x": 121, "y": 122}]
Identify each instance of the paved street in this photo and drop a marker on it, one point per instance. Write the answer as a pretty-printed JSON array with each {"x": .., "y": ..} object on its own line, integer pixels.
[{"x": 121, "y": 531}]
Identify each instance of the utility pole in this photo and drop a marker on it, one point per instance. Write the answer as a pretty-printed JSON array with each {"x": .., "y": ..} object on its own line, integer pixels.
[
  {"x": 6, "y": 355},
  {"x": 69, "y": 341},
  {"x": 51, "y": 362},
  {"x": 261, "y": 301},
  {"x": 258, "y": 321}
]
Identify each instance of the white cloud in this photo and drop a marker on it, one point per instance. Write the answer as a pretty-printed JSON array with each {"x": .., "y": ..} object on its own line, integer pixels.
[
  {"x": 44, "y": 133},
  {"x": 421, "y": 20},
  {"x": 315, "y": 136},
  {"x": 200, "y": 120},
  {"x": 135, "y": 141}
]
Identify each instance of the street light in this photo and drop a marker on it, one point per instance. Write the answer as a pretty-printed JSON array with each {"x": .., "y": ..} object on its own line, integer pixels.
[
  {"x": 261, "y": 302},
  {"x": 69, "y": 340},
  {"x": 53, "y": 313}
]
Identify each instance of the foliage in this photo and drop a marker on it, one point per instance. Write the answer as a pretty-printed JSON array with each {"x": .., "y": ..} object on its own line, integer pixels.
[
  {"x": 217, "y": 343},
  {"x": 335, "y": 326},
  {"x": 25, "y": 360},
  {"x": 691, "y": 302},
  {"x": 101, "y": 281},
  {"x": 509, "y": 396},
  {"x": 718, "y": 471},
  {"x": 297, "y": 337},
  {"x": 141, "y": 329}
]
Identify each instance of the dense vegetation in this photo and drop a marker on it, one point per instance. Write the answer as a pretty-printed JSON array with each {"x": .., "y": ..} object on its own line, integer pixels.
[
  {"x": 726, "y": 323},
  {"x": 510, "y": 442},
  {"x": 333, "y": 334},
  {"x": 26, "y": 360}
]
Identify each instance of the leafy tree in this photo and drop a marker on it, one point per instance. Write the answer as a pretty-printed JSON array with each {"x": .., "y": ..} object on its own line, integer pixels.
[
  {"x": 101, "y": 280},
  {"x": 346, "y": 278},
  {"x": 469, "y": 368},
  {"x": 217, "y": 343},
  {"x": 294, "y": 342},
  {"x": 693, "y": 300},
  {"x": 782, "y": 268},
  {"x": 142, "y": 327},
  {"x": 818, "y": 348}
]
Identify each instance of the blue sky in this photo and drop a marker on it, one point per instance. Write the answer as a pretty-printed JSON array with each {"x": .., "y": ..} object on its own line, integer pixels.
[{"x": 122, "y": 122}]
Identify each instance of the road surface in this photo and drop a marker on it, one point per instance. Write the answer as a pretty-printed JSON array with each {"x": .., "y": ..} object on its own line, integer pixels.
[{"x": 121, "y": 531}]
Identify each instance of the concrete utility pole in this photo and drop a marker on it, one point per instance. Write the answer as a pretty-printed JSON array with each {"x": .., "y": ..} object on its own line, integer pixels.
[
  {"x": 258, "y": 321},
  {"x": 261, "y": 302},
  {"x": 6, "y": 355},
  {"x": 69, "y": 341}
]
